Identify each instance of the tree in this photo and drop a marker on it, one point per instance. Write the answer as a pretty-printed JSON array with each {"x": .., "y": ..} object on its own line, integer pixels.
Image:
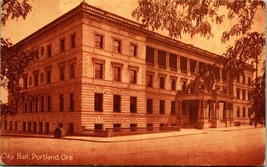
[
  {"x": 13, "y": 61},
  {"x": 196, "y": 17}
]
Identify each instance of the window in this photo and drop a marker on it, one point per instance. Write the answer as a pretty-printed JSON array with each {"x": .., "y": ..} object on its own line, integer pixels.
[
  {"x": 48, "y": 76},
  {"x": 99, "y": 41},
  {"x": 244, "y": 112},
  {"x": 42, "y": 104},
  {"x": 29, "y": 126},
  {"x": 98, "y": 71},
  {"x": 149, "y": 127},
  {"x": 36, "y": 104},
  {"x": 149, "y": 104},
  {"x": 249, "y": 95},
  {"x": 61, "y": 102},
  {"x": 162, "y": 106},
  {"x": 116, "y": 127},
  {"x": 162, "y": 59},
  {"x": 249, "y": 112},
  {"x": 238, "y": 112},
  {"x": 133, "y": 104},
  {"x": 244, "y": 79},
  {"x": 36, "y": 77},
  {"x": 173, "y": 107},
  {"x": 72, "y": 70},
  {"x": 133, "y": 50},
  {"x": 24, "y": 126},
  {"x": 133, "y": 76},
  {"x": 48, "y": 103},
  {"x": 117, "y": 73},
  {"x": 71, "y": 102},
  {"x": 173, "y": 62},
  {"x": 149, "y": 81},
  {"x": 173, "y": 84},
  {"x": 238, "y": 79},
  {"x": 217, "y": 73},
  {"x": 10, "y": 125},
  {"x": 117, "y": 46},
  {"x": 98, "y": 102},
  {"x": 49, "y": 50},
  {"x": 224, "y": 74},
  {"x": 238, "y": 93},
  {"x": 98, "y": 127},
  {"x": 31, "y": 105},
  {"x": 183, "y": 64},
  {"x": 62, "y": 72},
  {"x": 244, "y": 94},
  {"x": 249, "y": 81},
  {"x": 162, "y": 82},
  {"x": 25, "y": 81},
  {"x": 16, "y": 126},
  {"x": 116, "y": 103},
  {"x": 62, "y": 45},
  {"x": 41, "y": 127},
  {"x": 133, "y": 127},
  {"x": 193, "y": 65},
  {"x": 25, "y": 107},
  {"x": 5, "y": 125},
  {"x": 47, "y": 127},
  {"x": 150, "y": 55},
  {"x": 73, "y": 40}
]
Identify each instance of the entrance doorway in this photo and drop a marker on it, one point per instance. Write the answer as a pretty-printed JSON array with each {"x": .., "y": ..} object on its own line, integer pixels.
[{"x": 193, "y": 114}]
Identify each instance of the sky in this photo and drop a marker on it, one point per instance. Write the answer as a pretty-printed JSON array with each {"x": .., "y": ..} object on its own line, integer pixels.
[{"x": 45, "y": 11}]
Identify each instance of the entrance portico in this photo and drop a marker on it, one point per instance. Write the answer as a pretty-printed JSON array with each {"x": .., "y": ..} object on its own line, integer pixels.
[{"x": 205, "y": 110}]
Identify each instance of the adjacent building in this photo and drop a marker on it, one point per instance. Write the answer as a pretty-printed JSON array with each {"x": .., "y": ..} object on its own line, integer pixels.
[{"x": 97, "y": 70}]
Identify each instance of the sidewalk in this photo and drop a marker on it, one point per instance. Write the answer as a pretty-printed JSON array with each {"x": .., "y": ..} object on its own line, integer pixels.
[{"x": 183, "y": 132}]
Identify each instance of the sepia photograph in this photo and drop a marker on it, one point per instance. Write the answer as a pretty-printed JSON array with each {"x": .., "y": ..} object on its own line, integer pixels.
[{"x": 133, "y": 82}]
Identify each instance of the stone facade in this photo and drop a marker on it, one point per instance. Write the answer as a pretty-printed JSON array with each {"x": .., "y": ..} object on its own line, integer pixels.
[{"x": 95, "y": 71}]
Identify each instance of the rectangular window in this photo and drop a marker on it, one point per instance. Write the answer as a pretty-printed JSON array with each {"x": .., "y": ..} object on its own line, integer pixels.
[
  {"x": 224, "y": 74},
  {"x": 249, "y": 95},
  {"x": 62, "y": 45},
  {"x": 117, "y": 46},
  {"x": 193, "y": 65},
  {"x": 41, "y": 127},
  {"x": 98, "y": 102},
  {"x": 217, "y": 73},
  {"x": 62, "y": 72},
  {"x": 149, "y": 127},
  {"x": 173, "y": 62},
  {"x": 173, "y": 107},
  {"x": 48, "y": 76},
  {"x": 173, "y": 84},
  {"x": 71, "y": 102},
  {"x": 150, "y": 56},
  {"x": 244, "y": 112},
  {"x": 249, "y": 112},
  {"x": 238, "y": 79},
  {"x": 31, "y": 105},
  {"x": 133, "y": 104},
  {"x": 99, "y": 41},
  {"x": 117, "y": 73},
  {"x": 24, "y": 126},
  {"x": 48, "y": 103},
  {"x": 244, "y": 79},
  {"x": 149, "y": 106},
  {"x": 42, "y": 104},
  {"x": 36, "y": 104},
  {"x": 238, "y": 112},
  {"x": 29, "y": 127},
  {"x": 162, "y": 82},
  {"x": 133, "y": 75},
  {"x": 61, "y": 102},
  {"x": 47, "y": 127},
  {"x": 25, "y": 107},
  {"x": 162, "y": 59},
  {"x": 133, "y": 127},
  {"x": 49, "y": 50},
  {"x": 73, "y": 40},
  {"x": 36, "y": 77},
  {"x": 98, "y": 71},
  {"x": 249, "y": 81},
  {"x": 25, "y": 82},
  {"x": 72, "y": 71},
  {"x": 162, "y": 106},
  {"x": 133, "y": 50},
  {"x": 183, "y": 64},
  {"x": 116, "y": 127},
  {"x": 149, "y": 78},
  {"x": 16, "y": 126},
  {"x": 98, "y": 127},
  {"x": 116, "y": 103},
  {"x": 5, "y": 125},
  {"x": 10, "y": 125}
]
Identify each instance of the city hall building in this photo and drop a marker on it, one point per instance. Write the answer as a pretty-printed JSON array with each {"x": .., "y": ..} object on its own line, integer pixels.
[{"x": 97, "y": 70}]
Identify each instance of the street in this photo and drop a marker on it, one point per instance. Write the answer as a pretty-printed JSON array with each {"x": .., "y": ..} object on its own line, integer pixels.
[{"x": 239, "y": 147}]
